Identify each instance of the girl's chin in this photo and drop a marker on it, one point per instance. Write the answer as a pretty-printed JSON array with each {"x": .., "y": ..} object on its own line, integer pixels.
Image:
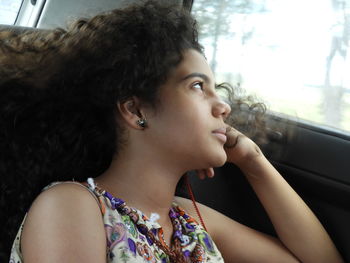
[{"x": 220, "y": 160}]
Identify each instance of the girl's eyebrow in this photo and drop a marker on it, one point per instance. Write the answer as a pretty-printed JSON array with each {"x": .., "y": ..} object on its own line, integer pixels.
[{"x": 197, "y": 74}]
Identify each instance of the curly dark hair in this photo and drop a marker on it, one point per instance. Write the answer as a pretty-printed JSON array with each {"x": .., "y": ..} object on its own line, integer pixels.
[{"x": 59, "y": 90}]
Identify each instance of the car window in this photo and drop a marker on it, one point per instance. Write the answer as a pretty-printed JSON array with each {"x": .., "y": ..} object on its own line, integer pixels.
[
  {"x": 9, "y": 10},
  {"x": 294, "y": 55}
]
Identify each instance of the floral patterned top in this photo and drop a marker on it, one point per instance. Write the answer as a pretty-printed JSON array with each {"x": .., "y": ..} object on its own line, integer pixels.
[{"x": 126, "y": 243}]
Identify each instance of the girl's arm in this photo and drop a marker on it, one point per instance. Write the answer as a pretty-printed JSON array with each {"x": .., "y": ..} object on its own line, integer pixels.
[
  {"x": 301, "y": 237},
  {"x": 296, "y": 226}
]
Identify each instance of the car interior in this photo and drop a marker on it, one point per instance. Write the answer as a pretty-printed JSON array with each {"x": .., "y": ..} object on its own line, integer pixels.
[{"x": 315, "y": 160}]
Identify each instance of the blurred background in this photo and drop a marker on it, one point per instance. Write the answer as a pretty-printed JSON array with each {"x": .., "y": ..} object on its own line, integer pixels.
[{"x": 291, "y": 54}]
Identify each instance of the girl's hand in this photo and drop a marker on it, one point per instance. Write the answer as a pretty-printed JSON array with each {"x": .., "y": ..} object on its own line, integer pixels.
[
  {"x": 202, "y": 174},
  {"x": 240, "y": 149}
]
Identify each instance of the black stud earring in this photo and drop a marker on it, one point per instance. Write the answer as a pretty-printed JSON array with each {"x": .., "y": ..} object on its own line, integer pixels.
[{"x": 142, "y": 122}]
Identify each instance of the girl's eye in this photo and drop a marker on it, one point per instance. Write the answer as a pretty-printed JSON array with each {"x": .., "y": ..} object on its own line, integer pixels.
[{"x": 198, "y": 85}]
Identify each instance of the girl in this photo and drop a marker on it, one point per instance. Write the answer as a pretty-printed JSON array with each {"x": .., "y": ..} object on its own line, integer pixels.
[{"x": 125, "y": 103}]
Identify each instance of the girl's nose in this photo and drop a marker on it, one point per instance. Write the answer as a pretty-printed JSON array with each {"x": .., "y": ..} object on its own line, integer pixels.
[{"x": 221, "y": 108}]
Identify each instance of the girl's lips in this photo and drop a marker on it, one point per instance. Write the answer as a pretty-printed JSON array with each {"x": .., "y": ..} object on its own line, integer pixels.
[
  {"x": 222, "y": 137},
  {"x": 221, "y": 134}
]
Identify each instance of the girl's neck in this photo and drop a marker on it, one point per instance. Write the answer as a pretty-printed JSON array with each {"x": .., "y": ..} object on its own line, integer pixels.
[{"x": 142, "y": 183}]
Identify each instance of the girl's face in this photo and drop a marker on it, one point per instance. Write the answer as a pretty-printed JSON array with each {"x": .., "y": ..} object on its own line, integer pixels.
[{"x": 189, "y": 123}]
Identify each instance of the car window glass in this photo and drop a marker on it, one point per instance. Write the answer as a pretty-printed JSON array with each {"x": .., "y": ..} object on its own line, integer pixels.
[
  {"x": 9, "y": 10},
  {"x": 292, "y": 54}
]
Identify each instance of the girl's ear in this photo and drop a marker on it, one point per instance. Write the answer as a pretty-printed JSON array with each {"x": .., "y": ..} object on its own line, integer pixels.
[{"x": 130, "y": 111}]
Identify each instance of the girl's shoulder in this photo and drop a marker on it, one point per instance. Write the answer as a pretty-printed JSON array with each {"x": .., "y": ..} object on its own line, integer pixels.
[
  {"x": 60, "y": 211},
  {"x": 196, "y": 210},
  {"x": 66, "y": 197},
  {"x": 210, "y": 219}
]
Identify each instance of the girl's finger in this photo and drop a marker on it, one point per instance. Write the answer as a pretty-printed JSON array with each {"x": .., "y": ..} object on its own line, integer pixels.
[{"x": 210, "y": 172}]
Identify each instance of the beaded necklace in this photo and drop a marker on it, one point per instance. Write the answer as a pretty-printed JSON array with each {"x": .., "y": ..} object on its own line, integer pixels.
[{"x": 175, "y": 254}]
